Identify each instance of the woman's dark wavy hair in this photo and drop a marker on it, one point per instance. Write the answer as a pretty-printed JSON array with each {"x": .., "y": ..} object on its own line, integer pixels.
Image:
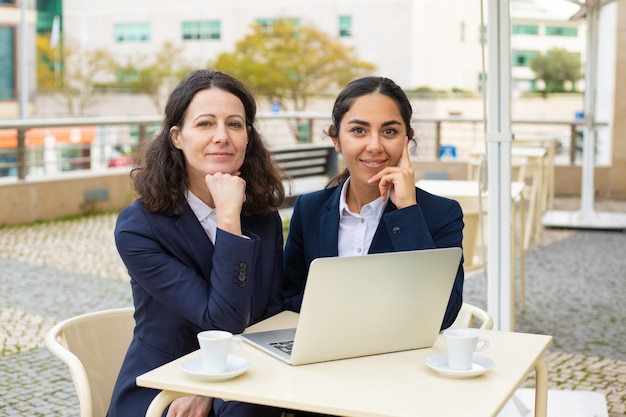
[
  {"x": 160, "y": 177},
  {"x": 361, "y": 87}
]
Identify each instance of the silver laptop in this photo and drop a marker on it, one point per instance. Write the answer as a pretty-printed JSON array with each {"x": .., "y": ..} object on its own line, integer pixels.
[{"x": 366, "y": 305}]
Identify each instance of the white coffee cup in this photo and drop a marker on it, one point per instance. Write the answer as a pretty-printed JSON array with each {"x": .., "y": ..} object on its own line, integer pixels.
[
  {"x": 462, "y": 343},
  {"x": 215, "y": 346}
]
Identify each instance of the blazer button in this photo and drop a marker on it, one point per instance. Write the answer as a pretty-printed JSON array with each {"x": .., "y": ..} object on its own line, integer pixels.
[
  {"x": 396, "y": 230},
  {"x": 241, "y": 279}
]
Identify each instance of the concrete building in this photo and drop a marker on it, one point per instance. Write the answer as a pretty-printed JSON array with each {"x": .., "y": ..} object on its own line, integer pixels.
[
  {"x": 537, "y": 27},
  {"x": 418, "y": 43},
  {"x": 431, "y": 43},
  {"x": 17, "y": 56}
]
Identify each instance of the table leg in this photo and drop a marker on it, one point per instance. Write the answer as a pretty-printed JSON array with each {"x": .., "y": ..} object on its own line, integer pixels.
[
  {"x": 161, "y": 401},
  {"x": 541, "y": 388}
]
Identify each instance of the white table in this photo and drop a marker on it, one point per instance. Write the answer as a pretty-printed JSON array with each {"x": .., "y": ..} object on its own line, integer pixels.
[{"x": 396, "y": 384}]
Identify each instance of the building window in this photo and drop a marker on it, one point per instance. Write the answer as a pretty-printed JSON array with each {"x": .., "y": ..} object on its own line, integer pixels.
[
  {"x": 268, "y": 24},
  {"x": 132, "y": 32},
  {"x": 7, "y": 63},
  {"x": 482, "y": 34},
  {"x": 345, "y": 26},
  {"x": 523, "y": 58},
  {"x": 210, "y": 29},
  {"x": 525, "y": 29},
  {"x": 561, "y": 31},
  {"x": 480, "y": 82},
  {"x": 126, "y": 77}
]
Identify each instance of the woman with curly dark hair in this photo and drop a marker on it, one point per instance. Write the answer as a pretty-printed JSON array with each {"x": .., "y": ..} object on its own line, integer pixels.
[{"x": 203, "y": 240}]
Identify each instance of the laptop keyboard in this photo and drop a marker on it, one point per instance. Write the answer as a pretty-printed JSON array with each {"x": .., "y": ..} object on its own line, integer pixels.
[{"x": 285, "y": 346}]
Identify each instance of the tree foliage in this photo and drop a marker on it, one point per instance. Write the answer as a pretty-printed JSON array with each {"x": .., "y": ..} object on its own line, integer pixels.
[
  {"x": 154, "y": 75},
  {"x": 72, "y": 72},
  {"x": 82, "y": 71},
  {"x": 289, "y": 62},
  {"x": 75, "y": 74},
  {"x": 47, "y": 64},
  {"x": 556, "y": 67}
]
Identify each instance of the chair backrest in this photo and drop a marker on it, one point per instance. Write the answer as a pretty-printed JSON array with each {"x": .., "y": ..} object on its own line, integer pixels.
[
  {"x": 472, "y": 316},
  {"x": 471, "y": 241},
  {"x": 93, "y": 346}
]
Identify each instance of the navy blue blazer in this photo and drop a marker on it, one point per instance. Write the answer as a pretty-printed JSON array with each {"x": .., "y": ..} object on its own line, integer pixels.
[
  {"x": 435, "y": 222},
  {"x": 183, "y": 284}
]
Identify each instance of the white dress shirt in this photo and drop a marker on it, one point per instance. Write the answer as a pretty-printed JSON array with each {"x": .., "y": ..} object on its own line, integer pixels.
[
  {"x": 356, "y": 230},
  {"x": 206, "y": 215}
]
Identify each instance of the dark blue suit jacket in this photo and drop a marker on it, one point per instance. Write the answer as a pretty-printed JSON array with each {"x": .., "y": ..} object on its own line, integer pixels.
[
  {"x": 435, "y": 222},
  {"x": 183, "y": 284}
]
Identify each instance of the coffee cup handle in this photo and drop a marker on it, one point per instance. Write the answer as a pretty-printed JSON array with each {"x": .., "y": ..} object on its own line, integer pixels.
[
  {"x": 482, "y": 344},
  {"x": 235, "y": 344}
]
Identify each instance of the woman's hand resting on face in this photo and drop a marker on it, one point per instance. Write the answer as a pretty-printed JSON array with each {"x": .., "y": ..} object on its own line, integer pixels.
[
  {"x": 399, "y": 181},
  {"x": 228, "y": 193}
]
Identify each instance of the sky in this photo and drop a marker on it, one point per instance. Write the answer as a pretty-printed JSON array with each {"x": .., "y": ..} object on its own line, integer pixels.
[{"x": 560, "y": 9}]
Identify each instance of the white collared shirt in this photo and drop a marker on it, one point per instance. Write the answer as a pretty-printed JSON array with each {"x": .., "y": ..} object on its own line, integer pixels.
[
  {"x": 206, "y": 215},
  {"x": 356, "y": 230}
]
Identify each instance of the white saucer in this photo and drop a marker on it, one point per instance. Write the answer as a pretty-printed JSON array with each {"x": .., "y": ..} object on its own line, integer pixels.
[
  {"x": 235, "y": 367},
  {"x": 439, "y": 363}
]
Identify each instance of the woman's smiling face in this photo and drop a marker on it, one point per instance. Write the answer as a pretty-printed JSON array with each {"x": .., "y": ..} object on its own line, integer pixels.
[
  {"x": 214, "y": 134},
  {"x": 370, "y": 136}
]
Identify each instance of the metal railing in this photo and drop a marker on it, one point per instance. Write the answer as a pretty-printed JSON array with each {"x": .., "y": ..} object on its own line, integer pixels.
[{"x": 116, "y": 138}]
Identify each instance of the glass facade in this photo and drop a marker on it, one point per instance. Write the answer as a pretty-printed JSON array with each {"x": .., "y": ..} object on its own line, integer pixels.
[
  {"x": 132, "y": 32},
  {"x": 267, "y": 24},
  {"x": 210, "y": 29},
  {"x": 345, "y": 26},
  {"x": 525, "y": 29},
  {"x": 7, "y": 63},
  {"x": 561, "y": 31},
  {"x": 46, "y": 10},
  {"x": 522, "y": 58}
]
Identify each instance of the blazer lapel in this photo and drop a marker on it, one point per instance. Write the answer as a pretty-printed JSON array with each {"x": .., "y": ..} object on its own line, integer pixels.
[
  {"x": 380, "y": 241},
  {"x": 200, "y": 246}
]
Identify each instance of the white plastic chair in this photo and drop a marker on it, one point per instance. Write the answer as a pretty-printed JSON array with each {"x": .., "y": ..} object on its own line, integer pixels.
[
  {"x": 472, "y": 316},
  {"x": 93, "y": 346}
]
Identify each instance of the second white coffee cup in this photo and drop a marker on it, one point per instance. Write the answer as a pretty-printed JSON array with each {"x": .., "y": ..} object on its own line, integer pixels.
[
  {"x": 215, "y": 346},
  {"x": 462, "y": 344}
]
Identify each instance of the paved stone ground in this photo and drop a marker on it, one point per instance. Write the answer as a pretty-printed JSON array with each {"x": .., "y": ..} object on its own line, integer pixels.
[{"x": 54, "y": 270}]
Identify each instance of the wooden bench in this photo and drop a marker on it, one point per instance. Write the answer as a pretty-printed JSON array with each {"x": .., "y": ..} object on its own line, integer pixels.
[{"x": 309, "y": 165}]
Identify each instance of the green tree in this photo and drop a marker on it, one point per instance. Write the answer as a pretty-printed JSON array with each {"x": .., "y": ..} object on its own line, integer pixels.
[
  {"x": 47, "y": 63},
  {"x": 556, "y": 67},
  {"x": 285, "y": 61},
  {"x": 82, "y": 72},
  {"x": 154, "y": 75},
  {"x": 72, "y": 72}
]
